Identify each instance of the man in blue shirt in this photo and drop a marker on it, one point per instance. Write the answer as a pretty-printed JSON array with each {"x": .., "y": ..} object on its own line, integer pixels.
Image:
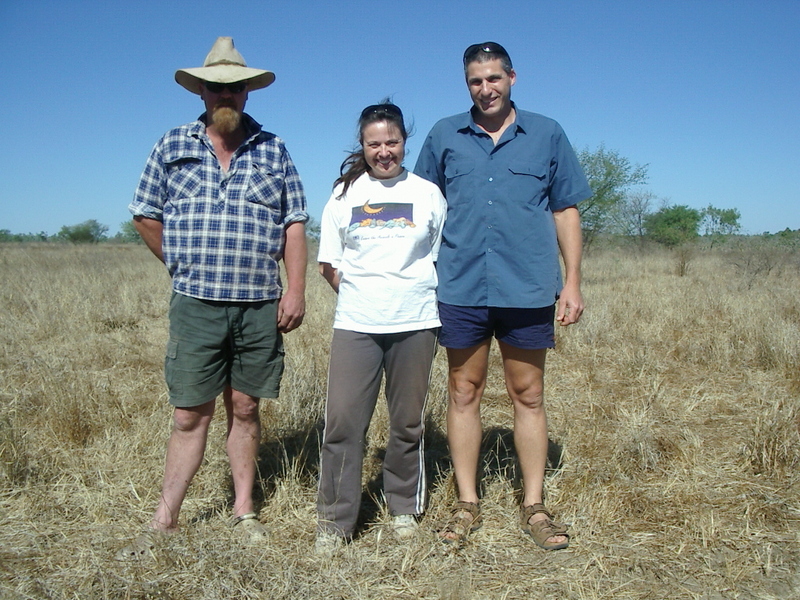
[
  {"x": 220, "y": 203},
  {"x": 512, "y": 183}
]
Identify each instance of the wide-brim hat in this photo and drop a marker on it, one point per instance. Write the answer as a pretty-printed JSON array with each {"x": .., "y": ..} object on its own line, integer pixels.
[{"x": 224, "y": 64}]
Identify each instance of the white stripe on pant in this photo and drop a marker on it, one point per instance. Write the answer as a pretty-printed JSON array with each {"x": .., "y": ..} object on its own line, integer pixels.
[{"x": 354, "y": 379}]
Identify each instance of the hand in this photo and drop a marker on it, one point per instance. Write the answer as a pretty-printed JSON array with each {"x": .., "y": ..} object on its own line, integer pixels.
[
  {"x": 570, "y": 305},
  {"x": 291, "y": 310}
]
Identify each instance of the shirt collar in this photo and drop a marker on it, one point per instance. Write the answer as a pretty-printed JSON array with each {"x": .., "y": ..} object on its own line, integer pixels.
[
  {"x": 251, "y": 126},
  {"x": 468, "y": 122}
]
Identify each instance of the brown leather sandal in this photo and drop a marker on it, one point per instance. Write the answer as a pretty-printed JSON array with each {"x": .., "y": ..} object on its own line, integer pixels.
[
  {"x": 465, "y": 517},
  {"x": 542, "y": 530}
]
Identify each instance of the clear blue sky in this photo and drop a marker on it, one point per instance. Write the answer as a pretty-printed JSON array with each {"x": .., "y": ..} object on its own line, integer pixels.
[{"x": 705, "y": 92}]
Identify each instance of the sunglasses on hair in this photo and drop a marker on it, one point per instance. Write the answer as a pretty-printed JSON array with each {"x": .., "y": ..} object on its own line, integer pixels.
[
  {"x": 384, "y": 109},
  {"x": 486, "y": 47},
  {"x": 236, "y": 87}
]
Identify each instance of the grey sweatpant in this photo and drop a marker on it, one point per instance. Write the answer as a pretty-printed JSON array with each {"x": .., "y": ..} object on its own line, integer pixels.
[{"x": 357, "y": 363}]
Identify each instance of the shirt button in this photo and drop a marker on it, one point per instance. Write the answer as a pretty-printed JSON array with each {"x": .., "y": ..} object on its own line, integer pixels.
[
  {"x": 491, "y": 178},
  {"x": 489, "y": 250},
  {"x": 490, "y": 201}
]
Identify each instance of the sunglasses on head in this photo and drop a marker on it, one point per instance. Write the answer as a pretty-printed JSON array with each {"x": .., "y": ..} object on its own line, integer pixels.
[
  {"x": 236, "y": 87},
  {"x": 485, "y": 48},
  {"x": 385, "y": 109}
]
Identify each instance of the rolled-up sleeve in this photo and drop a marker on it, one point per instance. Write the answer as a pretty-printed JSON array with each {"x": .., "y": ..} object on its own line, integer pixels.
[
  {"x": 294, "y": 197},
  {"x": 151, "y": 193}
]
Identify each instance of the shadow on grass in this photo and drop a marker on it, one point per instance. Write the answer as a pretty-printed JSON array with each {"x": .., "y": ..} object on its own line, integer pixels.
[
  {"x": 296, "y": 454},
  {"x": 498, "y": 459},
  {"x": 293, "y": 454}
]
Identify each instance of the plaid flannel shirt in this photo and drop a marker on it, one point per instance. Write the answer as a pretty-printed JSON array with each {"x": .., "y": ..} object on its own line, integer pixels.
[{"x": 223, "y": 232}]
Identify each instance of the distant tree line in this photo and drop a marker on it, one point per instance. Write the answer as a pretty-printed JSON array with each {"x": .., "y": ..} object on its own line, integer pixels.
[
  {"x": 88, "y": 232},
  {"x": 620, "y": 209}
]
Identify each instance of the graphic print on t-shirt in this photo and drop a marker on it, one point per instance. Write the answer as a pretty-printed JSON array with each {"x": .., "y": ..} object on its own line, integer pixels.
[{"x": 383, "y": 216}]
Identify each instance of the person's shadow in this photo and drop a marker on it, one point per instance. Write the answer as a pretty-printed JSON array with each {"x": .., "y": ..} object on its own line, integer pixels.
[
  {"x": 298, "y": 451},
  {"x": 498, "y": 459}
]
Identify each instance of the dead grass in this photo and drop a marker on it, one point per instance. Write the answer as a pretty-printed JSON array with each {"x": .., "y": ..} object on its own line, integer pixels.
[{"x": 675, "y": 448}]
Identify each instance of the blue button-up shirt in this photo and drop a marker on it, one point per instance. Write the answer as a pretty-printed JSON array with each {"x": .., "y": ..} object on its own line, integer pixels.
[
  {"x": 499, "y": 245},
  {"x": 223, "y": 232}
]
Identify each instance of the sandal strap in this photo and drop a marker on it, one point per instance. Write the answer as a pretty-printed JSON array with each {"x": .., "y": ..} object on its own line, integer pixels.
[
  {"x": 473, "y": 508},
  {"x": 465, "y": 517},
  {"x": 245, "y": 517},
  {"x": 547, "y": 528},
  {"x": 526, "y": 512}
]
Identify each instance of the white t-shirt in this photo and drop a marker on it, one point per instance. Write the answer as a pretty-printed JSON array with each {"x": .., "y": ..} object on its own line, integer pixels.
[{"x": 383, "y": 238}]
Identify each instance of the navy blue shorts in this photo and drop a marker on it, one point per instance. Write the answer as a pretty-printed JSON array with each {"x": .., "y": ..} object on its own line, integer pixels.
[{"x": 525, "y": 328}]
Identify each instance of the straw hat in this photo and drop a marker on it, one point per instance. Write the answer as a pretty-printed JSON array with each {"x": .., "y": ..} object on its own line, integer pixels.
[{"x": 224, "y": 64}]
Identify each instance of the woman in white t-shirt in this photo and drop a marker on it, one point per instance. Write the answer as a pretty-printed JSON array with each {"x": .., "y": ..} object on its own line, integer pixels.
[{"x": 380, "y": 236}]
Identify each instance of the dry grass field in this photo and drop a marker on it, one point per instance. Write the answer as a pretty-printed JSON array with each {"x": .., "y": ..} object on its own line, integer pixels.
[{"x": 674, "y": 410}]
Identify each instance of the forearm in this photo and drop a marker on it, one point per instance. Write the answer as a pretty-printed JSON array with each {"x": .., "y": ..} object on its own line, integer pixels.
[
  {"x": 570, "y": 242},
  {"x": 151, "y": 232},
  {"x": 295, "y": 258},
  {"x": 292, "y": 305},
  {"x": 568, "y": 231},
  {"x": 330, "y": 274}
]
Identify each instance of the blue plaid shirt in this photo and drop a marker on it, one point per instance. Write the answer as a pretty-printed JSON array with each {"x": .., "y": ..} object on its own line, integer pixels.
[{"x": 223, "y": 232}]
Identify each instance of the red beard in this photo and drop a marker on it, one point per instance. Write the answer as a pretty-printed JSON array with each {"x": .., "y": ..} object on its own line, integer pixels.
[{"x": 225, "y": 119}]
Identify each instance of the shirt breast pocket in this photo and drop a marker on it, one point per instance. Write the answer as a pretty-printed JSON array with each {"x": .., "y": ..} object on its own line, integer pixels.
[
  {"x": 531, "y": 178},
  {"x": 184, "y": 178},
  {"x": 265, "y": 187},
  {"x": 455, "y": 170}
]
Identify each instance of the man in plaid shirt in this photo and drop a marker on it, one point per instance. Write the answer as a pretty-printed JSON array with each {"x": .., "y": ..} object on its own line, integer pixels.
[{"x": 220, "y": 203}]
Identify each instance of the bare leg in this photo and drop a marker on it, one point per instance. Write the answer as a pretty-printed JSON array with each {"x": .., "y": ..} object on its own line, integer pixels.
[
  {"x": 524, "y": 372},
  {"x": 467, "y": 379},
  {"x": 185, "y": 449},
  {"x": 244, "y": 436}
]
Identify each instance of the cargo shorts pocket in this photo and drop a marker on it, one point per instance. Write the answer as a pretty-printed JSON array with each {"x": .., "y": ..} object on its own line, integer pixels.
[{"x": 174, "y": 381}]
